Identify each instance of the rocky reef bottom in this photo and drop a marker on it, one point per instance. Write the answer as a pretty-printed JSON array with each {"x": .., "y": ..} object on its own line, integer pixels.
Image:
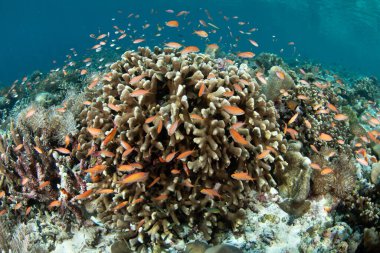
[{"x": 267, "y": 229}]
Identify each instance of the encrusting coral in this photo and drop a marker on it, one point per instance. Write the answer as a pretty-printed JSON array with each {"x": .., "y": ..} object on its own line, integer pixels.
[{"x": 172, "y": 139}]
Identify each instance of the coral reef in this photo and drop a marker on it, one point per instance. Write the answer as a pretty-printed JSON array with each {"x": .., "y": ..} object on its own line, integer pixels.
[{"x": 164, "y": 138}]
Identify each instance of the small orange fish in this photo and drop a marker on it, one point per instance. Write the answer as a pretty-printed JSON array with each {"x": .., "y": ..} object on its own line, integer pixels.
[
  {"x": 307, "y": 124},
  {"x": 170, "y": 156},
  {"x": 129, "y": 167},
  {"x": 43, "y": 185},
  {"x": 202, "y": 90},
  {"x": 280, "y": 75},
  {"x": 127, "y": 152},
  {"x": 2, "y": 194},
  {"x": 243, "y": 176},
  {"x": 139, "y": 92},
  {"x": 322, "y": 111},
  {"x": 159, "y": 126},
  {"x": 254, "y": 43},
  {"x": 30, "y": 113},
  {"x": 136, "y": 201},
  {"x": 150, "y": 119},
  {"x": 190, "y": 49},
  {"x": 2, "y": 212},
  {"x": 341, "y": 142},
  {"x": 105, "y": 191},
  {"x": 121, "y": 205},
  {"x": 325, "y": 137},
  {"x": 292, "y": 132},
  {"x": 96, "y": 169},
  {"x": 172, "y": 23},
  {"x": 238, "y": 88},
  {"x": 84, "y": 195},
  {"x": 234, "y": 110},
  {"x": 246, "y": 54},
  {"x": 175, "y": 171},
  {"x": 155, "y": 181},
  {"x": 195, "y": 116},
  {"x": 362, "y": 161},
  {"x": 315, "y": 166},
  {"x": 292, "y": 119},
  {"x": 93, "y": 83},
  {"x": 161, "y": 197},
  {"x": 17, "y": 206},
  {"x": 326, "y": 171},
  {"x": 173, "y": 127},
  {"x": 95, "y": 132},
  {"x": 134, "y": 178},
  {"x": 237, "y": 125},
  {"x": 228, "y": 93},
  {"x": 237, "y": 137},
  {"x": 137, "y": 41},
  {"x": 83, "y": 72},
  {"x": 174, "y": 45},
  {"x": 64, "y": 151},
  {"x": 110, "y": 136},
  {"x": 67, "y": 141},
  {"x": 38, "y": 149},
  {"x": 201, "y": 33},
  {"x": 263, "y": 154},
  {"x": 314, "y": 148},
  {"x": 116, "y": 108},
  {"x": 106, "y": 153},
  {"x": 18, "y": 147},
  {"x": 27, "y": 211},
  {"x": 188, "y": 183},
  {"x": 54, "y": 203},
  {"x": 302, "y": 97},
  {"x": 185, "y": 154},
  {"x": 211, "y": 192},
  {"x": 137, "y": 79},
  {"x": 332, "y": 107}
]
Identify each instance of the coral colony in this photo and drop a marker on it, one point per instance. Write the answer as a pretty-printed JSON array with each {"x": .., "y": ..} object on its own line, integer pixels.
[{"x": 168, "y": 148}]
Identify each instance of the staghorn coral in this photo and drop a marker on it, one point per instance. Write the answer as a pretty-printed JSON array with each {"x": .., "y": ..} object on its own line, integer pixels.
[{"x": 146, "y": 95}]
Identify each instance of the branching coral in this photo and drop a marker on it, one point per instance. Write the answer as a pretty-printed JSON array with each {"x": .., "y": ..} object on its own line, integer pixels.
[{"x": 179, "y": 127}]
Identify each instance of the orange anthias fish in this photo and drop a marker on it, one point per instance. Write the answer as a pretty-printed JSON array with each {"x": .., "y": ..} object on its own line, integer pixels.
[
  {"x": 64, "y": 151},
  {"x": 246, "y": 54},
  {"x": 237, "y": 137},
  {"x": 173, "y": 127},
  {"x": 254, "y": 43},
  {"x": 137, "y": 79},
  {"x": 54, "y": 203},
  {"x": 134, "y": 178},
  {"x": 137, "y": 41},
  {"x": 170, "y": 156},
  {"x": 172, "y": 23},
  {"x": 325, "y": 137},
  {"x": 174, "y": 45},
  {"x": 263, "y": 154},
  {"x": 234, "y": 110},
  {"x": 211, "y": 192},
  {"x": 83, "y": 195},
  {"x": 96, "y": 169},
  {"x": 243, "y": 176},
  {"x": 185, "y": 154},
  {"x": 110, "y": 136},
  {"x": 95, "y": 132},
  {"x": 201, "y": 33},
  {"x": 139, "y": 92},
  {"x": 190, "y": 49},
  {"x": 326, "y": 171},
  {"x": 292, "y": 119},
  {"x": 280, "y": 75}
]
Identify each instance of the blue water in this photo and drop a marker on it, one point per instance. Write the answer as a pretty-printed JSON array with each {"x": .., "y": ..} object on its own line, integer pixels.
[{"x": 340, "y": 32}]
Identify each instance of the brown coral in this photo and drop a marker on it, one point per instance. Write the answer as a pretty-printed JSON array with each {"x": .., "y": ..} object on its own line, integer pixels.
[{"x": 163, "y": 104}]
